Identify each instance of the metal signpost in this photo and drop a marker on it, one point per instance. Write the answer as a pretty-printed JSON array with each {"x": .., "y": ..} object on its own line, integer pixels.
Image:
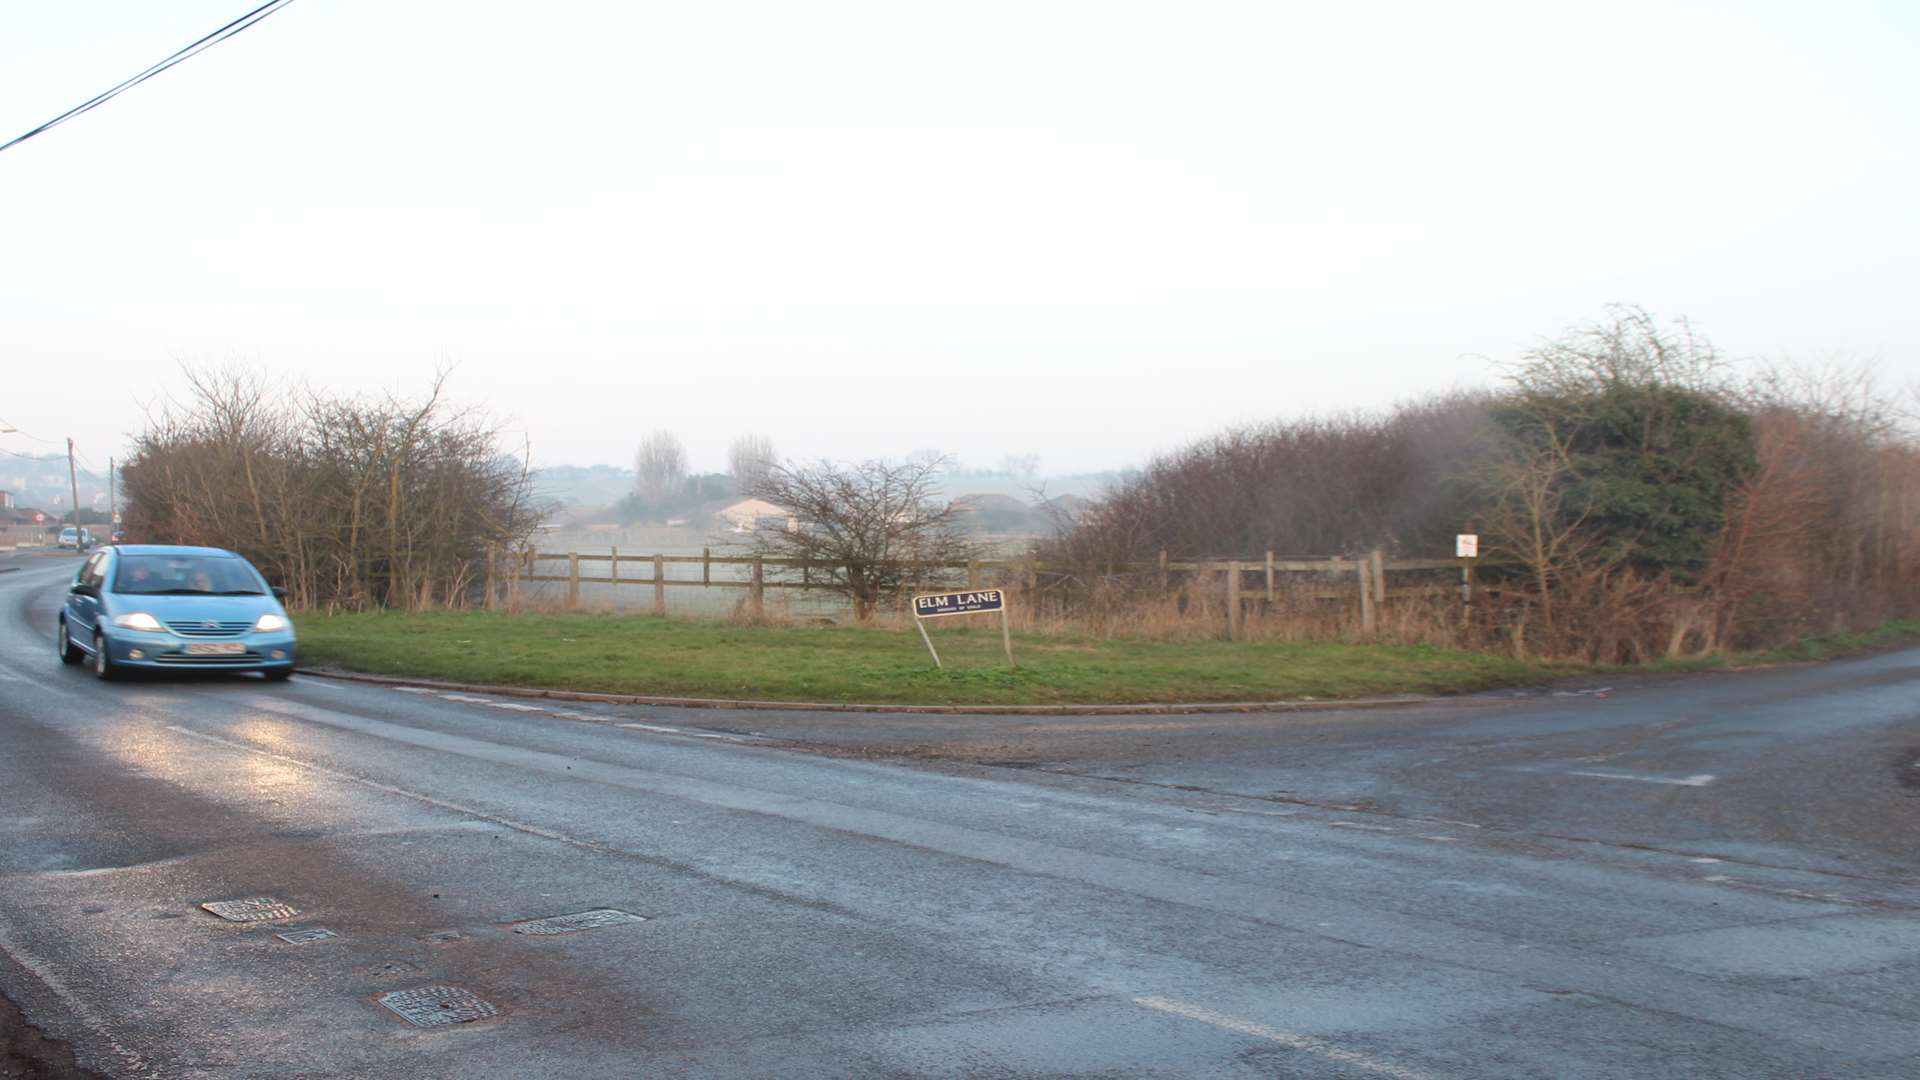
[
  {"x": 1466, "y": 546},
  {"x": 967, "y": 602}
]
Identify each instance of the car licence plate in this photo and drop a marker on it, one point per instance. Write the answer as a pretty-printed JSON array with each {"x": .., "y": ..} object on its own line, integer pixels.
[{"x": 216, "y": 648}]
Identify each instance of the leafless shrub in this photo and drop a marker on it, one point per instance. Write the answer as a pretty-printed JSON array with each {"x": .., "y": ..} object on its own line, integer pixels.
[
  {"x": 348, "y": 503},
  {"x": 863, "y": 527}
]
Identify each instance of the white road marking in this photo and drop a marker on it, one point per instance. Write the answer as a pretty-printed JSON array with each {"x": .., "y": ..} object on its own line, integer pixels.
[
  {"x": 1696, "y": 780},
  {"x": 1289, "y": 1039},
  {"x": 517, "y": 826},
  {"x": 1360, "y": 825},
  {"x": 1706, "y": 859},
  {"x": 514, "y": 706},
  {"x": 82, "y": 1012}
]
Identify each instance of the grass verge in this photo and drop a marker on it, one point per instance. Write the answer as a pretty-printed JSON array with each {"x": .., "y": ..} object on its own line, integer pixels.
[{"x": 695, "y": 658}]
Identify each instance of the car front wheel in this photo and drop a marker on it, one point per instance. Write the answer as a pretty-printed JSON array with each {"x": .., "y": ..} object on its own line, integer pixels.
[
  {"x": 63, "y": 645},
  {"x": 102, "y": 665}
]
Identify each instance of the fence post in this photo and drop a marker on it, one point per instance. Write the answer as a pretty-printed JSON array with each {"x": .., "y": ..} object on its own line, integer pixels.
[
  {"x": 1379, "y": 563},
  {"x": 513, "y": 584},
  {"x": 1366, "y": 595},
  {"x": 573, "y": 579},
  {"x": 973, "y": 573},
  {"x": 1163, "y": 571},
  {"x": 492, "y": 553},
  {"x": 614, "y": 572},
  {"x": 759, "y": 589},
  {"x": 1233, "y": 600},
  {"x": 659, "y": 584},
  {"x": 706, "y": 566},
  {"x": 1269, "y": 579}
]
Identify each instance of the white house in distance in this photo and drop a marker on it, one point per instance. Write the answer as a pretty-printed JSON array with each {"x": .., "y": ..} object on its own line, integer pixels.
[{"x": 748, "y": 515}]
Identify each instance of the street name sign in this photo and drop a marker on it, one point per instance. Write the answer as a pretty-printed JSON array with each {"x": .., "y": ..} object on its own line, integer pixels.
[
  {"x": 966, "y": 602},
  {"x": 958, "y": 603}
]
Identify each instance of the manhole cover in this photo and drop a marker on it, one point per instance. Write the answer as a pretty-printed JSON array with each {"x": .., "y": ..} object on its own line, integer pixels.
[
  {"x": 569, "y": 924},
  {"x": 258, "y": 909},
  {"x": 302, "y": 937},
  {"x": 438, "y": 1006}
]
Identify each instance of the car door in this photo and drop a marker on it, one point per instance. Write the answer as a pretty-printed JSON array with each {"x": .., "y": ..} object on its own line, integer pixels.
[{"x": 83, "y": 606}]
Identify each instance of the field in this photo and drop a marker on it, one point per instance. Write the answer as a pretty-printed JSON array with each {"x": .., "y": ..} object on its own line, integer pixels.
[{"x": 707, "y": 658}]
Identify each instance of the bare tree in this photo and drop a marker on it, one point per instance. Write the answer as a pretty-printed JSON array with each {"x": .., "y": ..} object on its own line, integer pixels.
[
  {"x": 748, "y": 459},
  {"x": 1024, "y": 466},
  {"x": 348, "y": 502},
  {"x": 864, "y": 527},
  {"x": 661, "y": 463}
]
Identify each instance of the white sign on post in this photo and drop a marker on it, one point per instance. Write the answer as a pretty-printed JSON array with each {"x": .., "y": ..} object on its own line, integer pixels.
[{"x": 1466, "y": 546}]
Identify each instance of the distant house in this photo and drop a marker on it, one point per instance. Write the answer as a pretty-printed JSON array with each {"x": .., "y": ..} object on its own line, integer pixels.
[
  {"x": 750, "y": 515},
  {"x": 995, "y": 513},
  {"x": 6, "y": 500},
  {"x": 1068, "y": 508}
]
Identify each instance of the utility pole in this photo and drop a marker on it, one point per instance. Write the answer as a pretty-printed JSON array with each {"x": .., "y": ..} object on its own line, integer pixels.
[
  {"x": 113, "y": 506},
  {"x": 73, "y": 479}
]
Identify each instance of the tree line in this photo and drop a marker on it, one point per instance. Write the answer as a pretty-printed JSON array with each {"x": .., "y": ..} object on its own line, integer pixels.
[
  {"x": 347, "y": 502},
  {"x": 1634, "y": 496}
]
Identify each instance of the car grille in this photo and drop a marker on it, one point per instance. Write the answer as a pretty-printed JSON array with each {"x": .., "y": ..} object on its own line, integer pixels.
[{"x": 206, "y": 629}]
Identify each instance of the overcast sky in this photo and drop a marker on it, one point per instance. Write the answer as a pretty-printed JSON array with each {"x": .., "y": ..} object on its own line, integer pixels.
[{"x": 1082, "y": 230}]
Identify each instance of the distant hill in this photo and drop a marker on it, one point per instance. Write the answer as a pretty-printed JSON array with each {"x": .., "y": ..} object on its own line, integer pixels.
[{"x": 40, "y": 482}]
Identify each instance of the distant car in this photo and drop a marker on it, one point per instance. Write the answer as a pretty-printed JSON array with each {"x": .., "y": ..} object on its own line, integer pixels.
[
  {"x": 116, "y": 537},
  {"x": 71, "y": 537},
  {"x": 154, "y": 606}
]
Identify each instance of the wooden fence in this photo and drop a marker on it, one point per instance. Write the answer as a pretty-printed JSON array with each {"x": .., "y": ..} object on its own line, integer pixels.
[{"x": 505, "y": 577}]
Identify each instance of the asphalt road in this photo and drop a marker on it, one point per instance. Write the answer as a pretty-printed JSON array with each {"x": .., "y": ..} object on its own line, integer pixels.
[{"x": 1708, "y": 877}]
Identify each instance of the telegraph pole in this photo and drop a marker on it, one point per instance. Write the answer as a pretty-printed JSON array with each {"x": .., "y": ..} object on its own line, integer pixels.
[
  {"x": 73, "y": 479},
  {"x": 113, "y": 506}
]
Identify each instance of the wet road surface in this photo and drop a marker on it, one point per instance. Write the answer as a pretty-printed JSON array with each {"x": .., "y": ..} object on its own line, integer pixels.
[{"x": 1704, "y": 877}]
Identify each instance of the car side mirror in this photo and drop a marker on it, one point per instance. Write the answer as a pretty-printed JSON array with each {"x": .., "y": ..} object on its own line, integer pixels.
[
  {"x": 280, "y": 593},
  {"x": 84, "y": 590}
]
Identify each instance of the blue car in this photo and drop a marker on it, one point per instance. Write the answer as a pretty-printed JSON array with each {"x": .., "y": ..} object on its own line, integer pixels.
[{"x": 153, "y": 606}]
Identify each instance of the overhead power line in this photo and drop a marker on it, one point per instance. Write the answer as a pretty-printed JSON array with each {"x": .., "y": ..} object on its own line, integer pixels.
[
  {"x": 198, "y": 47},
  {"x": 9, "y": 429}
]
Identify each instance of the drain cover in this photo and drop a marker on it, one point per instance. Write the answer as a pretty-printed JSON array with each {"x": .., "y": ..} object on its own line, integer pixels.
[
  {"x": 302, "y": 937},
  {"x": 438, "y": 1006},
  {"x": 569, "y": 924},
  {"x": 258, "y": 909}
]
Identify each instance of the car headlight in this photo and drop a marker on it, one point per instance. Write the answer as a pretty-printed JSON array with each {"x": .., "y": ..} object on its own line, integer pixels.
[
  {"x": 138, "y": 620},
  {"x": 270, "y": 621}
]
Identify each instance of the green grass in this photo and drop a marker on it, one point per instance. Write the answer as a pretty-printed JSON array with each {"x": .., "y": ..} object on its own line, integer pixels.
[
  {"x": 1890, "y": 634},
  {"x": 692, "y": 658}
]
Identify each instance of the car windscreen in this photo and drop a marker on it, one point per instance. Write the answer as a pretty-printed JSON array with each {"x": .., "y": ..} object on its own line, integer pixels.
[{"x": 185, "y": 575}]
